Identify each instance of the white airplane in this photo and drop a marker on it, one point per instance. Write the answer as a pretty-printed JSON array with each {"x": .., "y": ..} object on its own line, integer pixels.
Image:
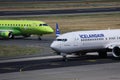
[{"x": 82, "y": 42}]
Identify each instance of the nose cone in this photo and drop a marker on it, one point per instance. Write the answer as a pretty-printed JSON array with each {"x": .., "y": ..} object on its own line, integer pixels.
[
  {"x": 54, "y": 47},
  {"x": 50, "y": 30}
]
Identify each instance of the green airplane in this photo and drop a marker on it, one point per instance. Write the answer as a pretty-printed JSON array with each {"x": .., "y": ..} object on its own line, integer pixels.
[{"x": 11, "y": 28}]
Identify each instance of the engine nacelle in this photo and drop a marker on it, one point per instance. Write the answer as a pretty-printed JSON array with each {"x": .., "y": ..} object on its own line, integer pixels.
[
  {"x": 6, "y": 34},
  {"x": 116, "y": 51}
]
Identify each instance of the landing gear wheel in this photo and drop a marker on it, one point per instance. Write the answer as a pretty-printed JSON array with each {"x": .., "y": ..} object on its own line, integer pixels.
[
  {"x": 11, "y": 36},
  {"x": 39, "y": 38},
  {"x": 65, "y": 58},
  {"x": 80, "y": 54},
  {"x": 25, "y": 36},
  {"x": 102, "y": 54},
  {"x": 83, "y": 54}
]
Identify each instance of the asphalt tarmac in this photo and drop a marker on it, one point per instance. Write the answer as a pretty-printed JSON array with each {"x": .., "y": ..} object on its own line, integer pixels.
[
  {"x": 58, "y": 12},
  {"x": 54, "y": 62},
  {"x": 76, "y": 68},
  {"x": 33, "y": 40}
]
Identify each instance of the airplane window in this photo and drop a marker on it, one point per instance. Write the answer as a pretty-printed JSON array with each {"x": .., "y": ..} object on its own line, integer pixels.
[
  {"x": 40, "y": 25},
  {"x": 58, "y": 39},
  {"x": 43, "y": 25},
  {"x": 61, "y": 39}
]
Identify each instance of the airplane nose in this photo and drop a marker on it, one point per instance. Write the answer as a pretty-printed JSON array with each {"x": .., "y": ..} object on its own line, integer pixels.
[
  {"x": 50, "y": 30},
  {"x": 54, "y": 46}
]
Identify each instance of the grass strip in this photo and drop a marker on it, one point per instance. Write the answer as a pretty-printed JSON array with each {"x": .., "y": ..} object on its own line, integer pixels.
[{"x": 12, "y": 51}]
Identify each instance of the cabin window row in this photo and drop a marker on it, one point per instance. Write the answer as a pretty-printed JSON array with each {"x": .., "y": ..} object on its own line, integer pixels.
[
  {"x": 110, "y": 38},
  {"x": 15, "y": 25},
  {"x": 61, "y": 40},
  {"x": 92, "y": 39}
]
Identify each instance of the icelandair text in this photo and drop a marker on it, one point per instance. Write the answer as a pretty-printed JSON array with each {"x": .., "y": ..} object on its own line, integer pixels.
[{"x": 91, "y": 35}]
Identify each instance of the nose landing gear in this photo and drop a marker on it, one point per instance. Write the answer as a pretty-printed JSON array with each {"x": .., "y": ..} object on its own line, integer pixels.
[
  {"x": 39, "y": 37},
  {"x": 64, "y": 57}
]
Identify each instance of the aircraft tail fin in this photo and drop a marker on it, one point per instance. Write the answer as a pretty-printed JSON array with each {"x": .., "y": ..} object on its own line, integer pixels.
[{"x": 57, "y": 30}]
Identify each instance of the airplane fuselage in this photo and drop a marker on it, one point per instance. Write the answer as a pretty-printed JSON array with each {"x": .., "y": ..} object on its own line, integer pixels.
[
  {"x": 88, "y": 41},
  {"x": 23, "y": 27}
]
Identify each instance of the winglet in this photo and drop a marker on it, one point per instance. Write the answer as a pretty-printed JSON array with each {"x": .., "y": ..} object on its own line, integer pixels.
[{"x": 57, "y": 30}]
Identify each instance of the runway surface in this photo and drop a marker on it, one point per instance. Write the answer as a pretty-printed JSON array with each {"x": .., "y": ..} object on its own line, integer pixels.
[
  {"x": 33, "y": 40},
  {"x": 89, "y": 67},
  {"x": 55, "y": 62},
  {"x": 55, "y": 12}
]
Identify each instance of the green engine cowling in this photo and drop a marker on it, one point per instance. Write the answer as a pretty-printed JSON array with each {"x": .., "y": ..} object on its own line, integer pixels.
[{"x": 6, "y": 34}]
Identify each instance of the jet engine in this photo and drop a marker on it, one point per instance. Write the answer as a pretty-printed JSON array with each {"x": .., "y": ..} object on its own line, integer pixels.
[
  {"x": 116, "y": 51},
  {"x": 6, "y": 34}
]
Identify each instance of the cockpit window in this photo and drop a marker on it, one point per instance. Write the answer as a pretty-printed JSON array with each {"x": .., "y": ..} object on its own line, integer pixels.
[
  {"x": 43, "y": 25},
  {"x": 40, "y": 25},
  {"x": 61, "y": 40}
]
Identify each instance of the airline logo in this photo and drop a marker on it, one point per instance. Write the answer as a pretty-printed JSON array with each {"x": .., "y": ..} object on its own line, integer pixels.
[{"x": 91, "y": 35}]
